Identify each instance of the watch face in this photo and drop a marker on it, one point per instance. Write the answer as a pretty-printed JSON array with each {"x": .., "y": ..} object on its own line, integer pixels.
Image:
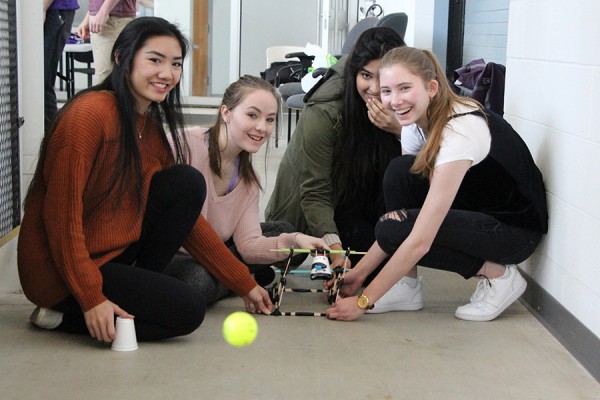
[{"x": 363, "y": 302}]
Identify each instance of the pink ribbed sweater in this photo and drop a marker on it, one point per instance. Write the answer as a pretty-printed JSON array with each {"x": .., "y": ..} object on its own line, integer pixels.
[{"x": 235, "y": 214}]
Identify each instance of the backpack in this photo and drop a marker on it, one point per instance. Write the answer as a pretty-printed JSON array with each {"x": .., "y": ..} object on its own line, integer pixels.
[
  {"x": 483, "y": 82},
  {"x": 283, "y": 72}
]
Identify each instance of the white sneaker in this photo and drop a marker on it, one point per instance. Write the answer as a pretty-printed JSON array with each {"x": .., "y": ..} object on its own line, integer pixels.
[
  {"x": 401, "y": 297},
  {"x": 46, "y": 318},
  {"x": 320, "y": 268},
  {"x": 493, "y": 296}
]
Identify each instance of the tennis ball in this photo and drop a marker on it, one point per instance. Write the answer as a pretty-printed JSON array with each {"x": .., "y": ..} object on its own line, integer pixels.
[{"x": 240, "y": 329}]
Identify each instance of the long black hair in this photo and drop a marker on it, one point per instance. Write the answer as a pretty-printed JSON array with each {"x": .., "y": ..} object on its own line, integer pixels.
[
  {"x": 127, "y": 171},
  {"x": 366, "y": 150}
]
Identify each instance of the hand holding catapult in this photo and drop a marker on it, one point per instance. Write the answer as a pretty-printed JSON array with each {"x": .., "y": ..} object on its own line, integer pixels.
[{"x": 320, "y": 270}]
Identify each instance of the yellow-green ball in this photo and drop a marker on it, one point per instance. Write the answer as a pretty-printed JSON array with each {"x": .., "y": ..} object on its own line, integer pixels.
[{"x": 240, "y": 329}]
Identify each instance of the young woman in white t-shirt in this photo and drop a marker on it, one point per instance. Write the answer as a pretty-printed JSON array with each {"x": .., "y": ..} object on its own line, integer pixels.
[{"x": 471, "y": 202}]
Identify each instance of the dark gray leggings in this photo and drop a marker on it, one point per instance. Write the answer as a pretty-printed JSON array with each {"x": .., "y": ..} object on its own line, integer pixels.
[
  {"x": 186, "y": 269},
  {"x": 163, "y": 306},
  {"x": 466, "y": 239}
]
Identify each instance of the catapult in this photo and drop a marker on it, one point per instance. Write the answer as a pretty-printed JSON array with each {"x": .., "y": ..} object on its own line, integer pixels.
[{"x": 277, "y": 290}]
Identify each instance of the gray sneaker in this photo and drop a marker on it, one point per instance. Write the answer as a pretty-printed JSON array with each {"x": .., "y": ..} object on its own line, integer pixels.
[
  {"x": 493, "y": 296},
  {"x": 46, "y": 318},
  {"x": 401, "y": 297}
]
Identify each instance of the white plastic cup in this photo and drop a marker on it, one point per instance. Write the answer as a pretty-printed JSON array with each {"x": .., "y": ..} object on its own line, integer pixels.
[{"x": 125, "y": 339}]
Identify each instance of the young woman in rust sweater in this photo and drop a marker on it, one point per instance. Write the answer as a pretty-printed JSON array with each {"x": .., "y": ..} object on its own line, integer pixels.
[{"x": 109, "y": 204}]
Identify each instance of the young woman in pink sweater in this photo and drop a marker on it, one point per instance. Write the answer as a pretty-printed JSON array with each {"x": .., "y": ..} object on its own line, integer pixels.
[{"x": 223, "y": 153}]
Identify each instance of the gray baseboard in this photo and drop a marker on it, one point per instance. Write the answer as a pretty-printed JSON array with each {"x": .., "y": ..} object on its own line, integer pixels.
[{"x": 582, "y": 343}]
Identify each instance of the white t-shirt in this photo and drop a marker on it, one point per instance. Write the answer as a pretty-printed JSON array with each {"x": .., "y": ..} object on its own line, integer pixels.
[
  {"x": 412, "y": 139},
  {"x": 465, "y": 138}
]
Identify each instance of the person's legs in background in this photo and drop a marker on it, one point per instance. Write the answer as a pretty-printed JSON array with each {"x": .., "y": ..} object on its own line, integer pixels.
[
  {"x": 102, "y": 44},
  {"x": 57, "y": 29}
]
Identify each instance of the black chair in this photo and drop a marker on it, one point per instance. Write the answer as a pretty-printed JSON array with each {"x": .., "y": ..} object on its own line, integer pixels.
[
  {"x": 85, "y": 58},
  {"x": 286, "y": 76}
]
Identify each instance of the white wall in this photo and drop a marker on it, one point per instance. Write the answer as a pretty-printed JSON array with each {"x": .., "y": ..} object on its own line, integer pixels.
[
  {"x": 266, "y": 23},
  {"x": 178, "y": 12},
  {"x": 486, "y": 25},
  {"x": 552, "y": 99}
]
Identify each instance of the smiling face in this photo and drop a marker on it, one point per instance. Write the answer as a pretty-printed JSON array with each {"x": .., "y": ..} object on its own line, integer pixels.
[
  {"x": 156, "y": 70},
  {"x": 251, "y": 122},
  {"x": 406, "y": 94},
  {"x": 367, "y": 81}
]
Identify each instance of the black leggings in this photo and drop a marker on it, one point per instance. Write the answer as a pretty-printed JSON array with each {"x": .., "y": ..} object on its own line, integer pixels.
[
  {"x": 465, "y": 240},
  {"x": 163, "y": 306},
  {"x": 357, "y": 232}
]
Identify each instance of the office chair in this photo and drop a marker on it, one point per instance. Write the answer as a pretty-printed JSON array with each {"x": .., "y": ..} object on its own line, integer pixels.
[
  {"x": 294, "y": 70},
  {"x": 278, "y": 53},
  {"x": 396, "y": 21},
  {"x": 286, "y": 64},
  {"x": 356, "y": 31},
  {"x": 295, "y": 99}
]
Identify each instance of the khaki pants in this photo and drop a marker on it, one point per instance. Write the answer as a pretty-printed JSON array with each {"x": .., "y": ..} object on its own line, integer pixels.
[{"x": 102, "y": 44}]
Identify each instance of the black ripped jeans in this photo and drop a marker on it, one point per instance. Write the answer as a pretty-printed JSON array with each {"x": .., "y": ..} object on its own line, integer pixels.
[
  {"x": 465, "y": 240},
  {"x": 163, "y": 306}
]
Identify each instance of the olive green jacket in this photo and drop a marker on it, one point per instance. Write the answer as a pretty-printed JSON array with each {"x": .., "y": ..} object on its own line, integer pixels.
[{"x": 303, "y": 193}]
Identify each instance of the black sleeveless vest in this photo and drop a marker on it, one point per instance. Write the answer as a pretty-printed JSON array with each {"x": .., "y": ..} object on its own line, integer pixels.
[{"x": 506, "y": 184}]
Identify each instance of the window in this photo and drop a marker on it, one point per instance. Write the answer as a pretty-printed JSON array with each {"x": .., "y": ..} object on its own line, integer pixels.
[{"x": 10, "y": 214}]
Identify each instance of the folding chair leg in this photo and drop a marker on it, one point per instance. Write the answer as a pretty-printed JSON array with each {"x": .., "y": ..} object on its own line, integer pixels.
[{"x": 289, "y": 124}]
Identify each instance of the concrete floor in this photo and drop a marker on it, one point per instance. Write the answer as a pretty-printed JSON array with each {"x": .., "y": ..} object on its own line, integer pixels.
[{"x": 428, "y": 354}]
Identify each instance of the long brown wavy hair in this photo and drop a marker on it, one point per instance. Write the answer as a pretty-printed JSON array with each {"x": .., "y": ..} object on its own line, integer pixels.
[
  {"x": 425, "y": 65},
  {"x": 234, "y": 95}
]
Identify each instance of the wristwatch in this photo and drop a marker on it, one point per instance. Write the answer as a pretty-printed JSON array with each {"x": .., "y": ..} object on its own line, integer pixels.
[{"x": 363, "y": 302}]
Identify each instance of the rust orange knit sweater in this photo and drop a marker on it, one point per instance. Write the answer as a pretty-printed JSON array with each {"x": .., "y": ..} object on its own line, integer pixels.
[{"x": 65, "y": 237}]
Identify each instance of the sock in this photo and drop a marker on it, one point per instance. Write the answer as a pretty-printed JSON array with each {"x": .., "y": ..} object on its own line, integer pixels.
[
  {"x": 412, "y": 282},
  {"x": 505, "y": 274}
]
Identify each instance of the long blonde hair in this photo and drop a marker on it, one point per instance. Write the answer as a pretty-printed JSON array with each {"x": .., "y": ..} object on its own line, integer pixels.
[{"x": 425, "y": 65}]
